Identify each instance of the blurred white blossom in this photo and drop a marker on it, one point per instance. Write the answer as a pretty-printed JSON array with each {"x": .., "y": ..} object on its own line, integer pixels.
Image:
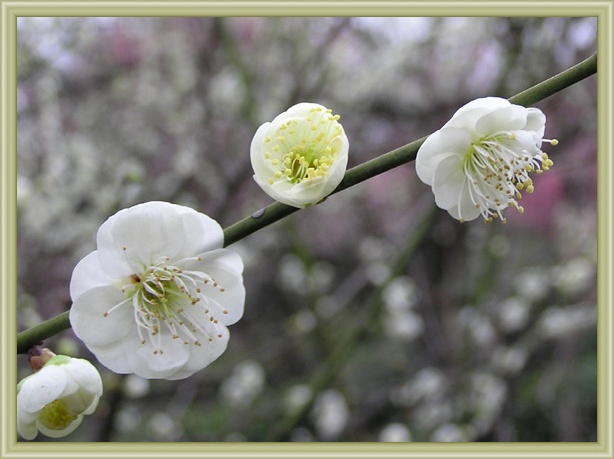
[
  {"x": 405, "y": 325},
  {"x": 374, "y": 249},
  {"x": 292, "y": 275},
  {"x": 434, "y": 413},
  {"x": 304, "y": 321},
  {"x": 296, "y": 397},
  {"x": 136, "y": 386},
  {"x": 478, "y": 325},
  {"x": 400, "y": 294},
  {"x": 400, "y": 321},
  {"x": 330, "y": 414},
  {"x": 395, "y": 432},
  {"x": 427, "y": 385},
  {"x": 321, "y": 275},
  {"x": 164, "y": 427},
  {"x": 450, "y": 433},
  {"x": 575, "y": 276},
  {"x": 509, "y": 360},
  {"x": 485, "y": 399},
  {"x": 533, "y": 283},
  {"x": 128, "y": 418},
  {"x": 513, "y": 313},
  {"x": 244, "y": 384},
  {"x": 378, "y": 272},
  {"x": 558, "y": 321}
]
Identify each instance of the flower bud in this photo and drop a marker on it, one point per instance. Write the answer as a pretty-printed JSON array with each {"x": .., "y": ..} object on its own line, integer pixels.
[{"x": 54, "y": 399}]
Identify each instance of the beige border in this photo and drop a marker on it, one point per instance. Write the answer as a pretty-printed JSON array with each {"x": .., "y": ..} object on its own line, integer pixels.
[{"x": 10, "y": 10}]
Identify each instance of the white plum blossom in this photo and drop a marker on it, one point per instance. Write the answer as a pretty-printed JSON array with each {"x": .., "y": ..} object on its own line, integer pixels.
[
  {"x": 55, "y": 398},
  {"x": 480, "y": 160},
  {"x": 156, "y": 296},
  {"x": 395, "y": 432},
  {"x": 301, "y": 156}
]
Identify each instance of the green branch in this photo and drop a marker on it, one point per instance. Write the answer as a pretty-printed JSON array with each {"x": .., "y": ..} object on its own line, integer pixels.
[
  {"x": 358, "y": 174},
  {"x": 35, "y": 335},
  {"x": 556, "y": 83}
]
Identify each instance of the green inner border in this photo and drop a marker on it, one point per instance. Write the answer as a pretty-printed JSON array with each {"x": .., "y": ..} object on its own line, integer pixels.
[{"x": 10, "y": 10}]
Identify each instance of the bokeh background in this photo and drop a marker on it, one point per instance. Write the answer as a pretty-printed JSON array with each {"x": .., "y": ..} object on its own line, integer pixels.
[{"x": 373, "y": 316}]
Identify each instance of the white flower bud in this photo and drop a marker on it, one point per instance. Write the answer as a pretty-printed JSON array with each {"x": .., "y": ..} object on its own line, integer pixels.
[{"x": 55, "y": 399}]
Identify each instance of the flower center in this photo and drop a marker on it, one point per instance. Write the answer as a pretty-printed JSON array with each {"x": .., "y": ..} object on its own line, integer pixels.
[
  {"x": 56, "y": 415},
  {"x": 497, "y": 168},
  {"x": 303, "y": 148},
  {"x": 169, "y": 299}
]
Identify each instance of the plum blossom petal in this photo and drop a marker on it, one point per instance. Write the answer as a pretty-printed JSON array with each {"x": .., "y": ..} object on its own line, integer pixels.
[
  {"x": 89, "y": 274},
  {"x": 438, "y": 146},
  {"x": 38, "y": 392},
  {"x": 301, "y": 156},
  {"x": 451, "y": 196},
  {"x": 508, "y": 118},
  {"x": 468, "y": 114},
  {"x": 479, "y": 162},
  {"x": 90, "y": 318},
  {"x": 156, "y": 296},
  {"x": 223, "y": 266},
  {"x": 536, "y": 124}
]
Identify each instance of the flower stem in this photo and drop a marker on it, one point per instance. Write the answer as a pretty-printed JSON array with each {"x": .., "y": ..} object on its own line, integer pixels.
[
  {"x": 35, "y": 335},
  {"x": 276, "y": 211}
]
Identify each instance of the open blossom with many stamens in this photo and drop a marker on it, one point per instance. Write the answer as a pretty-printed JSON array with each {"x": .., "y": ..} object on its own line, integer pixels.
[
  {"x": 480, "y": 161},
  {"x": 156, "y": 296},
  {"x": 301, "y": 156}
]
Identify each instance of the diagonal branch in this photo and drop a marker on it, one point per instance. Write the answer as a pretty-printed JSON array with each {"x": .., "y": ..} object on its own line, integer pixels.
[{"x": 276, "y": 211}]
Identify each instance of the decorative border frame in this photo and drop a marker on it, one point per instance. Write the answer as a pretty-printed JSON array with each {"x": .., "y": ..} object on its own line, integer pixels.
[{"x": 10, "y": 10}]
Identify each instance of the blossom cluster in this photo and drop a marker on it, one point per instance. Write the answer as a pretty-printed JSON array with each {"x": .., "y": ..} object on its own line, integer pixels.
[{"x": 157, "y": 295}]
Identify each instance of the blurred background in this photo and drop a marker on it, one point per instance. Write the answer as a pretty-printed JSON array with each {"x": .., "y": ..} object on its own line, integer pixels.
[{"x": 373, "y": 316}]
